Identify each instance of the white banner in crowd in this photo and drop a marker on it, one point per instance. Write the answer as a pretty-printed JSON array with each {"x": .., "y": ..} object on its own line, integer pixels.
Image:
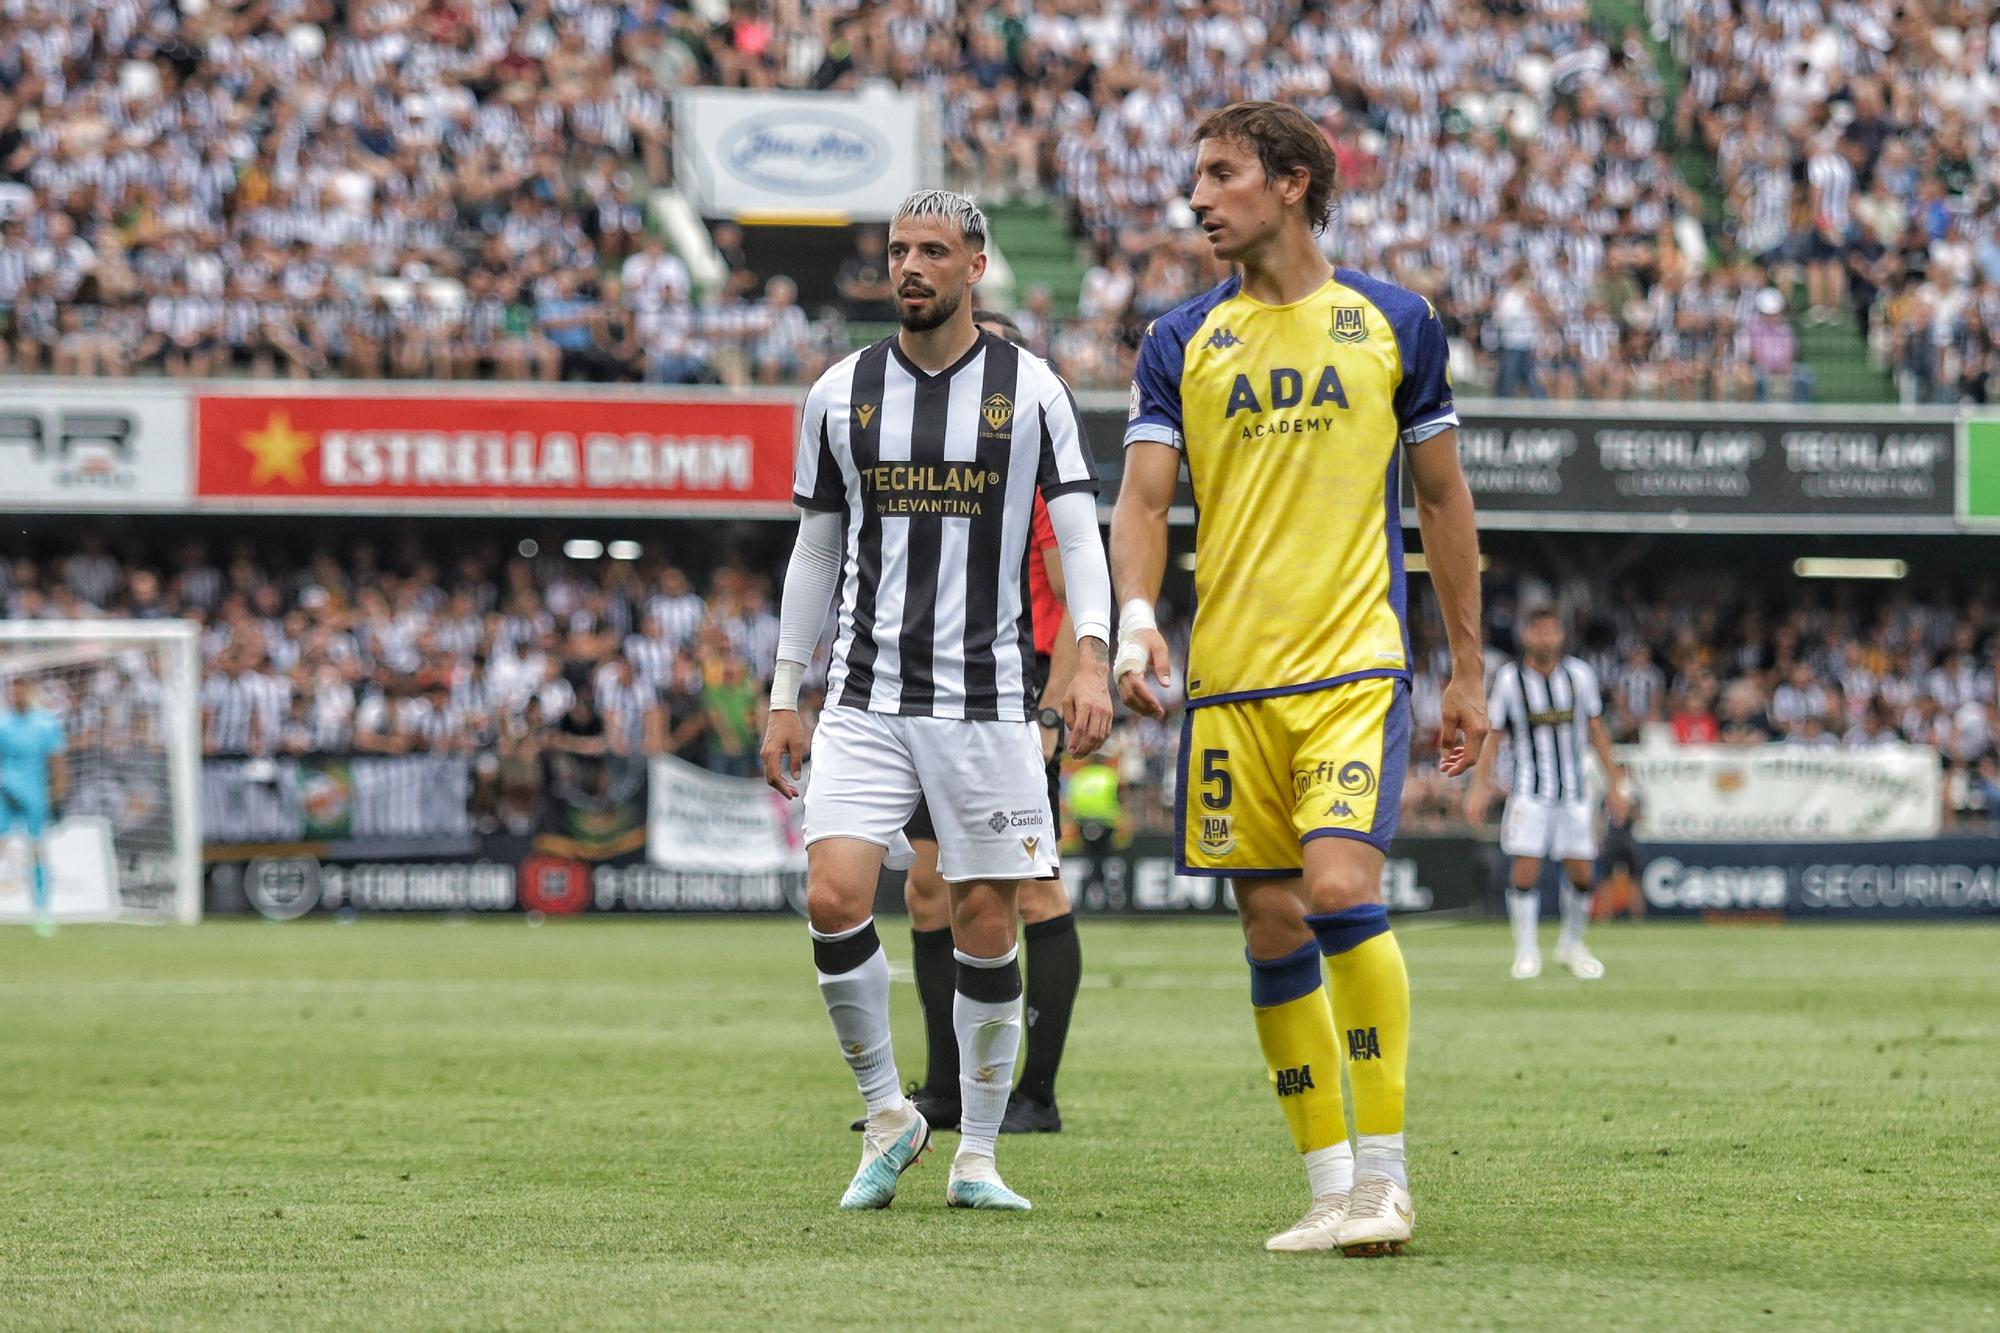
[
  {"x": 107, "y": 447},
  {"x": 1786, "y": 793},
  {"x": 698, "y": 820},
  {"x": 807, "y": 153}
]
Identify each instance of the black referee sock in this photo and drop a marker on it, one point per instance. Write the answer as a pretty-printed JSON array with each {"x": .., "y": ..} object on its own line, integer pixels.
[
  {"x": 937, "y": 973},
  {"x": 1055, "y": 970}
]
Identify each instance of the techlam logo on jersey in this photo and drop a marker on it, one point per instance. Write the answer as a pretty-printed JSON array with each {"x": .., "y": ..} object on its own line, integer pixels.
[
  {"x": 439, "y": 450},
  {"x": 951, "y": 490}
]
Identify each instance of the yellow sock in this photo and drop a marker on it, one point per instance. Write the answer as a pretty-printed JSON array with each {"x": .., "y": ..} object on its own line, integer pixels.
[
  {"x": 1371, "y": 993},
  {"x": 1295, "y": 1028}
]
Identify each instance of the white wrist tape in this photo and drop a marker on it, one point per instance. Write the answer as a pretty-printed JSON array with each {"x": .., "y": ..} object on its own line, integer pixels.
[
  {"x": 1134, "y": 616},
  {"x": 785, "y": 679}
]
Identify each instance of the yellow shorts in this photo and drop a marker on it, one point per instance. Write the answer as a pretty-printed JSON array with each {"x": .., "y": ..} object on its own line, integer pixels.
[{"x": 1260, "y": 778}]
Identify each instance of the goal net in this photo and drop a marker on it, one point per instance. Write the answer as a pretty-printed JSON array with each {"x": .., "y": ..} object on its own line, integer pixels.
[{"x": 100, "y": 748}]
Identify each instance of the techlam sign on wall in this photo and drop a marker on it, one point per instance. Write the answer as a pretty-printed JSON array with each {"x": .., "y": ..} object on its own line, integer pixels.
[
  {"x": 452, "y": 453},
  {"x": 802, "y": 153}
]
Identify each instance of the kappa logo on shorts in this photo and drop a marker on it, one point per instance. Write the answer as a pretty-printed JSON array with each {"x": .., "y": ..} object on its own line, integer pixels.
[
  {"x": 1218, "y": 837},
  {"x": 997, "y": 821},
  {"x": 1341, "y": 810},
  {"x": 1028, "y": 845}
]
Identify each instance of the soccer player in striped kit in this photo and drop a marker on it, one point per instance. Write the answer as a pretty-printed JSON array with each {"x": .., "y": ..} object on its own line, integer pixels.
[
  {"x": 1550, "y": 709},
  {"x": 917, "y": 466}
]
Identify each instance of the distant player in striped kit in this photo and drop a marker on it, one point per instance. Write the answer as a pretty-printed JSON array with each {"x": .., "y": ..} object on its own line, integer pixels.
[
  {"x": 917, "y": 467},
  {"x": 1550, "y": 709}
]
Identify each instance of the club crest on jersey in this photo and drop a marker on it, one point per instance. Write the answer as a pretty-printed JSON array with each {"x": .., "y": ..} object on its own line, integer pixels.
[
  {"x": 1218, "y": 836},
  {"x": 997, "y": 411},
  {"x": 1222, "y": 340},
  {"x": 864, "y": 413},
  {"x": 1350, "y": 324}
]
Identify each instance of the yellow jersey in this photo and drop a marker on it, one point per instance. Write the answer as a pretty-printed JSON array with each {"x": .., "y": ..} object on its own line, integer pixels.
[{"x": 1291, "y": 419}]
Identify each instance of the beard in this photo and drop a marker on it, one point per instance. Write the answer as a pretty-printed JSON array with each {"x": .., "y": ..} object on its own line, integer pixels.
[{"x": 925, "y": 318}]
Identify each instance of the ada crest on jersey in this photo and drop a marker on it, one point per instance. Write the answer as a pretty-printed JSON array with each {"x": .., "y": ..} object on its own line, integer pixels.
[
  {"x": 1350, "y": 324},
  {"x": 1218, "y": 837}
]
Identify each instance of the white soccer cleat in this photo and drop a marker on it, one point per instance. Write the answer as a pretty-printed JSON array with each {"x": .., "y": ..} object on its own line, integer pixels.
[
  {"x": 975, "y": 1183},
  {"x": 1379, "y": 1219},
  {"x": 893, "y": 1142},
  {"x": 1319, "y": 1229},
  {"x": 1527, "y": 965},
  {"x": 1581, "y": 962}
]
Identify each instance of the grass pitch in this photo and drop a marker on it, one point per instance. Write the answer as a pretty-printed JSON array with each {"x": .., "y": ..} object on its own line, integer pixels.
[{"x": 593, "y": 1124}]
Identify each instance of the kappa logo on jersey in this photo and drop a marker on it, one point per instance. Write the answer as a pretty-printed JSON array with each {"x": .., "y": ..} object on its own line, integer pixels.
[
  {"x": 1362, "y": 1044},
  {"x": 864, "y": 413},
  {"x": 1218, "y": 837},
  {"x": 997, "y": 821},
  {"x": 1350, "y": 324},
  {"x": 1287, "y": 388},
  {"x": 1291, "y": 1082},
  {"x": 996, "y": 411},
  {"x": 1029, "y": 845},
  {"x": 1222, "y": 340}
]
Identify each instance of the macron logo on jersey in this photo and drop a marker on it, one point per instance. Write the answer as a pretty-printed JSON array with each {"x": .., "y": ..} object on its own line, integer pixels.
[{"x": 1222, "y": 340}]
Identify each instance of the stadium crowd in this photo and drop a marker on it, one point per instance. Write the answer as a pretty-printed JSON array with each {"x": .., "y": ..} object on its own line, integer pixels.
[
  {"x": 374, "y": 652},
  {"x": 458, "y": 187},
  {"x": 1859, "y": 148}
]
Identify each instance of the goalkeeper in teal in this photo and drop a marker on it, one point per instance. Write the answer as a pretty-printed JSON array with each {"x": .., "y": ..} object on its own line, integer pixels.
[{"x": 32, "y": 778}]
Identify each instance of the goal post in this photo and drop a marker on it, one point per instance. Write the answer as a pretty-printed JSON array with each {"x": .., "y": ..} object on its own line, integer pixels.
[{"x": 123, "y": 843}]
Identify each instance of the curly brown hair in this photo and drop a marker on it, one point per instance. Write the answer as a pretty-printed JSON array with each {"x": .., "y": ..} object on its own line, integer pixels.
[{"x": 1284, "y": 139}]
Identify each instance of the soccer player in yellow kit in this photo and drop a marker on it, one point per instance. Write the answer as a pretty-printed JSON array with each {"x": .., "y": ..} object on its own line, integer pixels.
[{"x": 1291, "y": 392}]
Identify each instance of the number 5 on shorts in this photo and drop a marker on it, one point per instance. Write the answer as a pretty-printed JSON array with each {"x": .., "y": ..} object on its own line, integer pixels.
[{"x": 1213, "y": 773}]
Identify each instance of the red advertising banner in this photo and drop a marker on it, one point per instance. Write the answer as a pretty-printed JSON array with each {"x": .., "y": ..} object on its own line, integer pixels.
[{"x": 451, "y": 452}]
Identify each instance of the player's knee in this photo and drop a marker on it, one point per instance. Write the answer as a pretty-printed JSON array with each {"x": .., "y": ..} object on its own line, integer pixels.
[
  {"x": 1274, "y": 923},
  {"x": 833, "y": 906},
  {"x": 928, "y": 899},
  {"x": 982, "y": 920},
  {"x": 1043, "y": 900},
  {"x": 1337, "y": 887}
]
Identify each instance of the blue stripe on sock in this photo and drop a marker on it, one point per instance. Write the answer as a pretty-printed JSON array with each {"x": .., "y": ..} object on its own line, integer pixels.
[
  {"x": 1281, "y": 980},
  {"x": 1340, "y": 931}
]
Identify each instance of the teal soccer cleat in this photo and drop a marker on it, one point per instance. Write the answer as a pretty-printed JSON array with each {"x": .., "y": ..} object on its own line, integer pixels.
[
  {"x": 889, "y": 1147},
  {"x": 981, "y": 1187}
]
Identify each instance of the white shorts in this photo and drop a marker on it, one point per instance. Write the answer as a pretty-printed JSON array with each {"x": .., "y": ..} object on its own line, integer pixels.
[
  {"x": 984, "y": 781},
  {"x": 1551, "y": 830}
]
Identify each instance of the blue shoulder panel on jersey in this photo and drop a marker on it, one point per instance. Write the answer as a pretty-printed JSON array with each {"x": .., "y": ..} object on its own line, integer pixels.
[
  {"x": 1423, "y": 398},
  {"x": 1156, "y": 382}
]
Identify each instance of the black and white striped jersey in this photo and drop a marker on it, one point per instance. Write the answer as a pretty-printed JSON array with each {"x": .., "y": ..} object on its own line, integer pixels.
[
  {"x": 936, "y": 477},
  {"x": 1546, "y": 719}
]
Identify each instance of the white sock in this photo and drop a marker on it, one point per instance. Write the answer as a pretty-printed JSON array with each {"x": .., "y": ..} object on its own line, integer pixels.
[
  {"x": 1575, "y": 914},
  {"x": 1524, "y": 910},
  {"x": 858, "y": 1002},
  {"x": 1381, "y": 1155},
  {"x": 989, "y": 1037},
  {"x": 1330, "y": 1170}
]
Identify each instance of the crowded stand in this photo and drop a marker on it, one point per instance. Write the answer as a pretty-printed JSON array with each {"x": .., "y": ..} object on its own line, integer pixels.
[
  {"x": 370, "y": 651},
  {"x": 460, "y": 189},
  {"x": 1859, "y": 148}
]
